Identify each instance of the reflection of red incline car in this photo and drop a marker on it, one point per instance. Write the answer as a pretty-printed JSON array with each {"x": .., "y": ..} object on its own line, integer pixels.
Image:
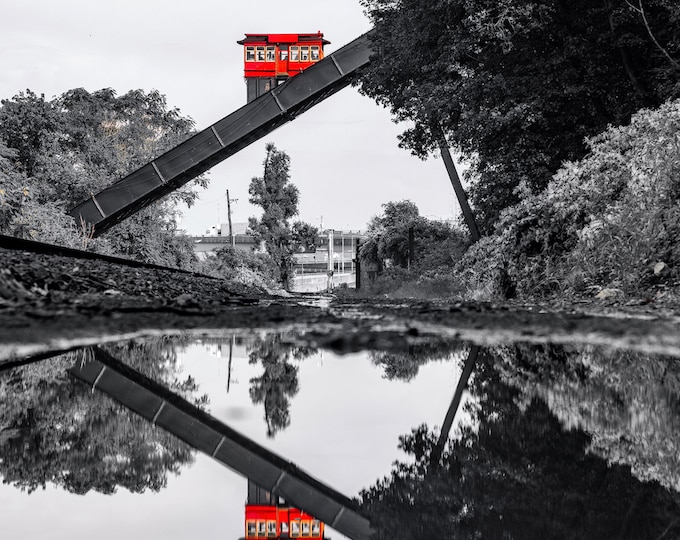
[
  {"x": 268, "y": 516},
  {"x": 273, "y": 58}
]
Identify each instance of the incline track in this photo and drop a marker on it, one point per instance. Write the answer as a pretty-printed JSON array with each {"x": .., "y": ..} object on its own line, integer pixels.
[{"x": 223, "y": 139}]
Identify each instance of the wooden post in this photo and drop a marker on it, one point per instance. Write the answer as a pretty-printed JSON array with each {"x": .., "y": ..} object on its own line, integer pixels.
[
  {"x": 469, "y": 366},
  {"x": 458, "y": 187}
]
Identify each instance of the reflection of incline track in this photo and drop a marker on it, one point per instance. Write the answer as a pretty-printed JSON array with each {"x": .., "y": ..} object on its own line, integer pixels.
[
  {"x": 226, "y": 446},
  {"x": 209, "y": 147}
]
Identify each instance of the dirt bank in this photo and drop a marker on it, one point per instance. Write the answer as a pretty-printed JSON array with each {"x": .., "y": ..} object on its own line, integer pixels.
[{"x": 49, "y": 302}]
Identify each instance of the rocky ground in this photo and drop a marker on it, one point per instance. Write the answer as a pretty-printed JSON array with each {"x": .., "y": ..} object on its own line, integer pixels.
[{"x": 57, "y": 302}]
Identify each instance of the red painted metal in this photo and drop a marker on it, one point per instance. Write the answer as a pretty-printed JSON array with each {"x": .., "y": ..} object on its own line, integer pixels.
[
  {"x": 276, "y": 522},
  {"x": 280, "y": 56}
]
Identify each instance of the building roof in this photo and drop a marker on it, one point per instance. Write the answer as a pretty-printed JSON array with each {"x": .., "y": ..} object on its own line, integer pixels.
[{"x": 282, "y": 38}]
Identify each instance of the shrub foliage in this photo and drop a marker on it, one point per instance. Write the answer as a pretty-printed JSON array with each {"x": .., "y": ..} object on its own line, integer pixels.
[{"x": 610, "y": 220}]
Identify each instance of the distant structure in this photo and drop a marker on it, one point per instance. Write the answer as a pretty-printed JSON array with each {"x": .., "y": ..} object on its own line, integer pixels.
[
  {"x": 270, "y": 59},
  {"x": 306, "y": 261},
  {"x": 218, "y": 237}
]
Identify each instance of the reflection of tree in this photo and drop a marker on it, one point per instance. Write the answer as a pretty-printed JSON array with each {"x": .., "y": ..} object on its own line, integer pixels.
[
  {"x": 279, "y": 380},
  {"x": 53, "y": 429},
  {"x": 404, "y": 364},
  {"x": 517, "y": 474},
  {"x": 627, "y": 401}
]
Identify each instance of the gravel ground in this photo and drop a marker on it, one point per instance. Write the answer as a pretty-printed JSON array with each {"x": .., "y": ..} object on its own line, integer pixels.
[{"x": 56, "y": 302}]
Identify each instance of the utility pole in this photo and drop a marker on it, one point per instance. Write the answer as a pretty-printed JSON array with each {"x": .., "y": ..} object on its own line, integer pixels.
[
  {"x": 231, "y": 352},
  {"x": 342, "y": 250},
  {"x": 231, "y": 232},
  {"x": 331, "y": 262}
]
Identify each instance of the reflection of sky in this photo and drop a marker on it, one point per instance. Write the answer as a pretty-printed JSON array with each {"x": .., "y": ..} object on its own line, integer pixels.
[{"x": 345, "y": 424}]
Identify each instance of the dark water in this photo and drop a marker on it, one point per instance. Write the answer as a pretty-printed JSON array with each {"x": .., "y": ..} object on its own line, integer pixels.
[{"x": 538, "y": 441}]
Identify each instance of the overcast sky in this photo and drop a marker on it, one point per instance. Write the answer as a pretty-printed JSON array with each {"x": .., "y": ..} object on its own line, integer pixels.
[{"x": 344, "y": 154}]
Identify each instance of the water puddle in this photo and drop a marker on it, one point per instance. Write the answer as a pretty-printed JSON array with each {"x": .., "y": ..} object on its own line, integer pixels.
[{"x": 268, "y": 435}]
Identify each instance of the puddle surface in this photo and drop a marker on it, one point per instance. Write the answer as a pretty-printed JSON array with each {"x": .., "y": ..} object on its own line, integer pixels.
[{"x": 439, "y": 439}]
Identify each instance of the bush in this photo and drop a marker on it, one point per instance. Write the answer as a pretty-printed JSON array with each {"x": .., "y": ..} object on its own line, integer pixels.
[
  {"x": 610, "y": 220},
  {"x": 431, "y": 276},
  {"x": 241, "y": 266},
  {"x": 23, "y": 216}
]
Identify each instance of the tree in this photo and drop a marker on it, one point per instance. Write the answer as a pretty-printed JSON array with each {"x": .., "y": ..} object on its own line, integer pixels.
[
  {"x": 12, "y": 188},
  {"x": 22, "y": 214},
  {"x": 278, "y": 199},
  {"x": 27, "y": 123},
  {"x": 304, "y": 236},
  {"x": 388, "y": 234},
  {"x": 517, "y": 86},
  {"x": 80, "y": 142}
]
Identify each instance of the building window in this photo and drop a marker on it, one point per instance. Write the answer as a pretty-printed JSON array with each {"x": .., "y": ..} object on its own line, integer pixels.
[
  {"x": 250, "y": 54},
  {"x": 316, "y": 528}
]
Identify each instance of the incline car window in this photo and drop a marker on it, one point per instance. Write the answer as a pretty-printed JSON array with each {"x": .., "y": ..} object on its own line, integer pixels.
[{"x": 250, "y": 54}]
